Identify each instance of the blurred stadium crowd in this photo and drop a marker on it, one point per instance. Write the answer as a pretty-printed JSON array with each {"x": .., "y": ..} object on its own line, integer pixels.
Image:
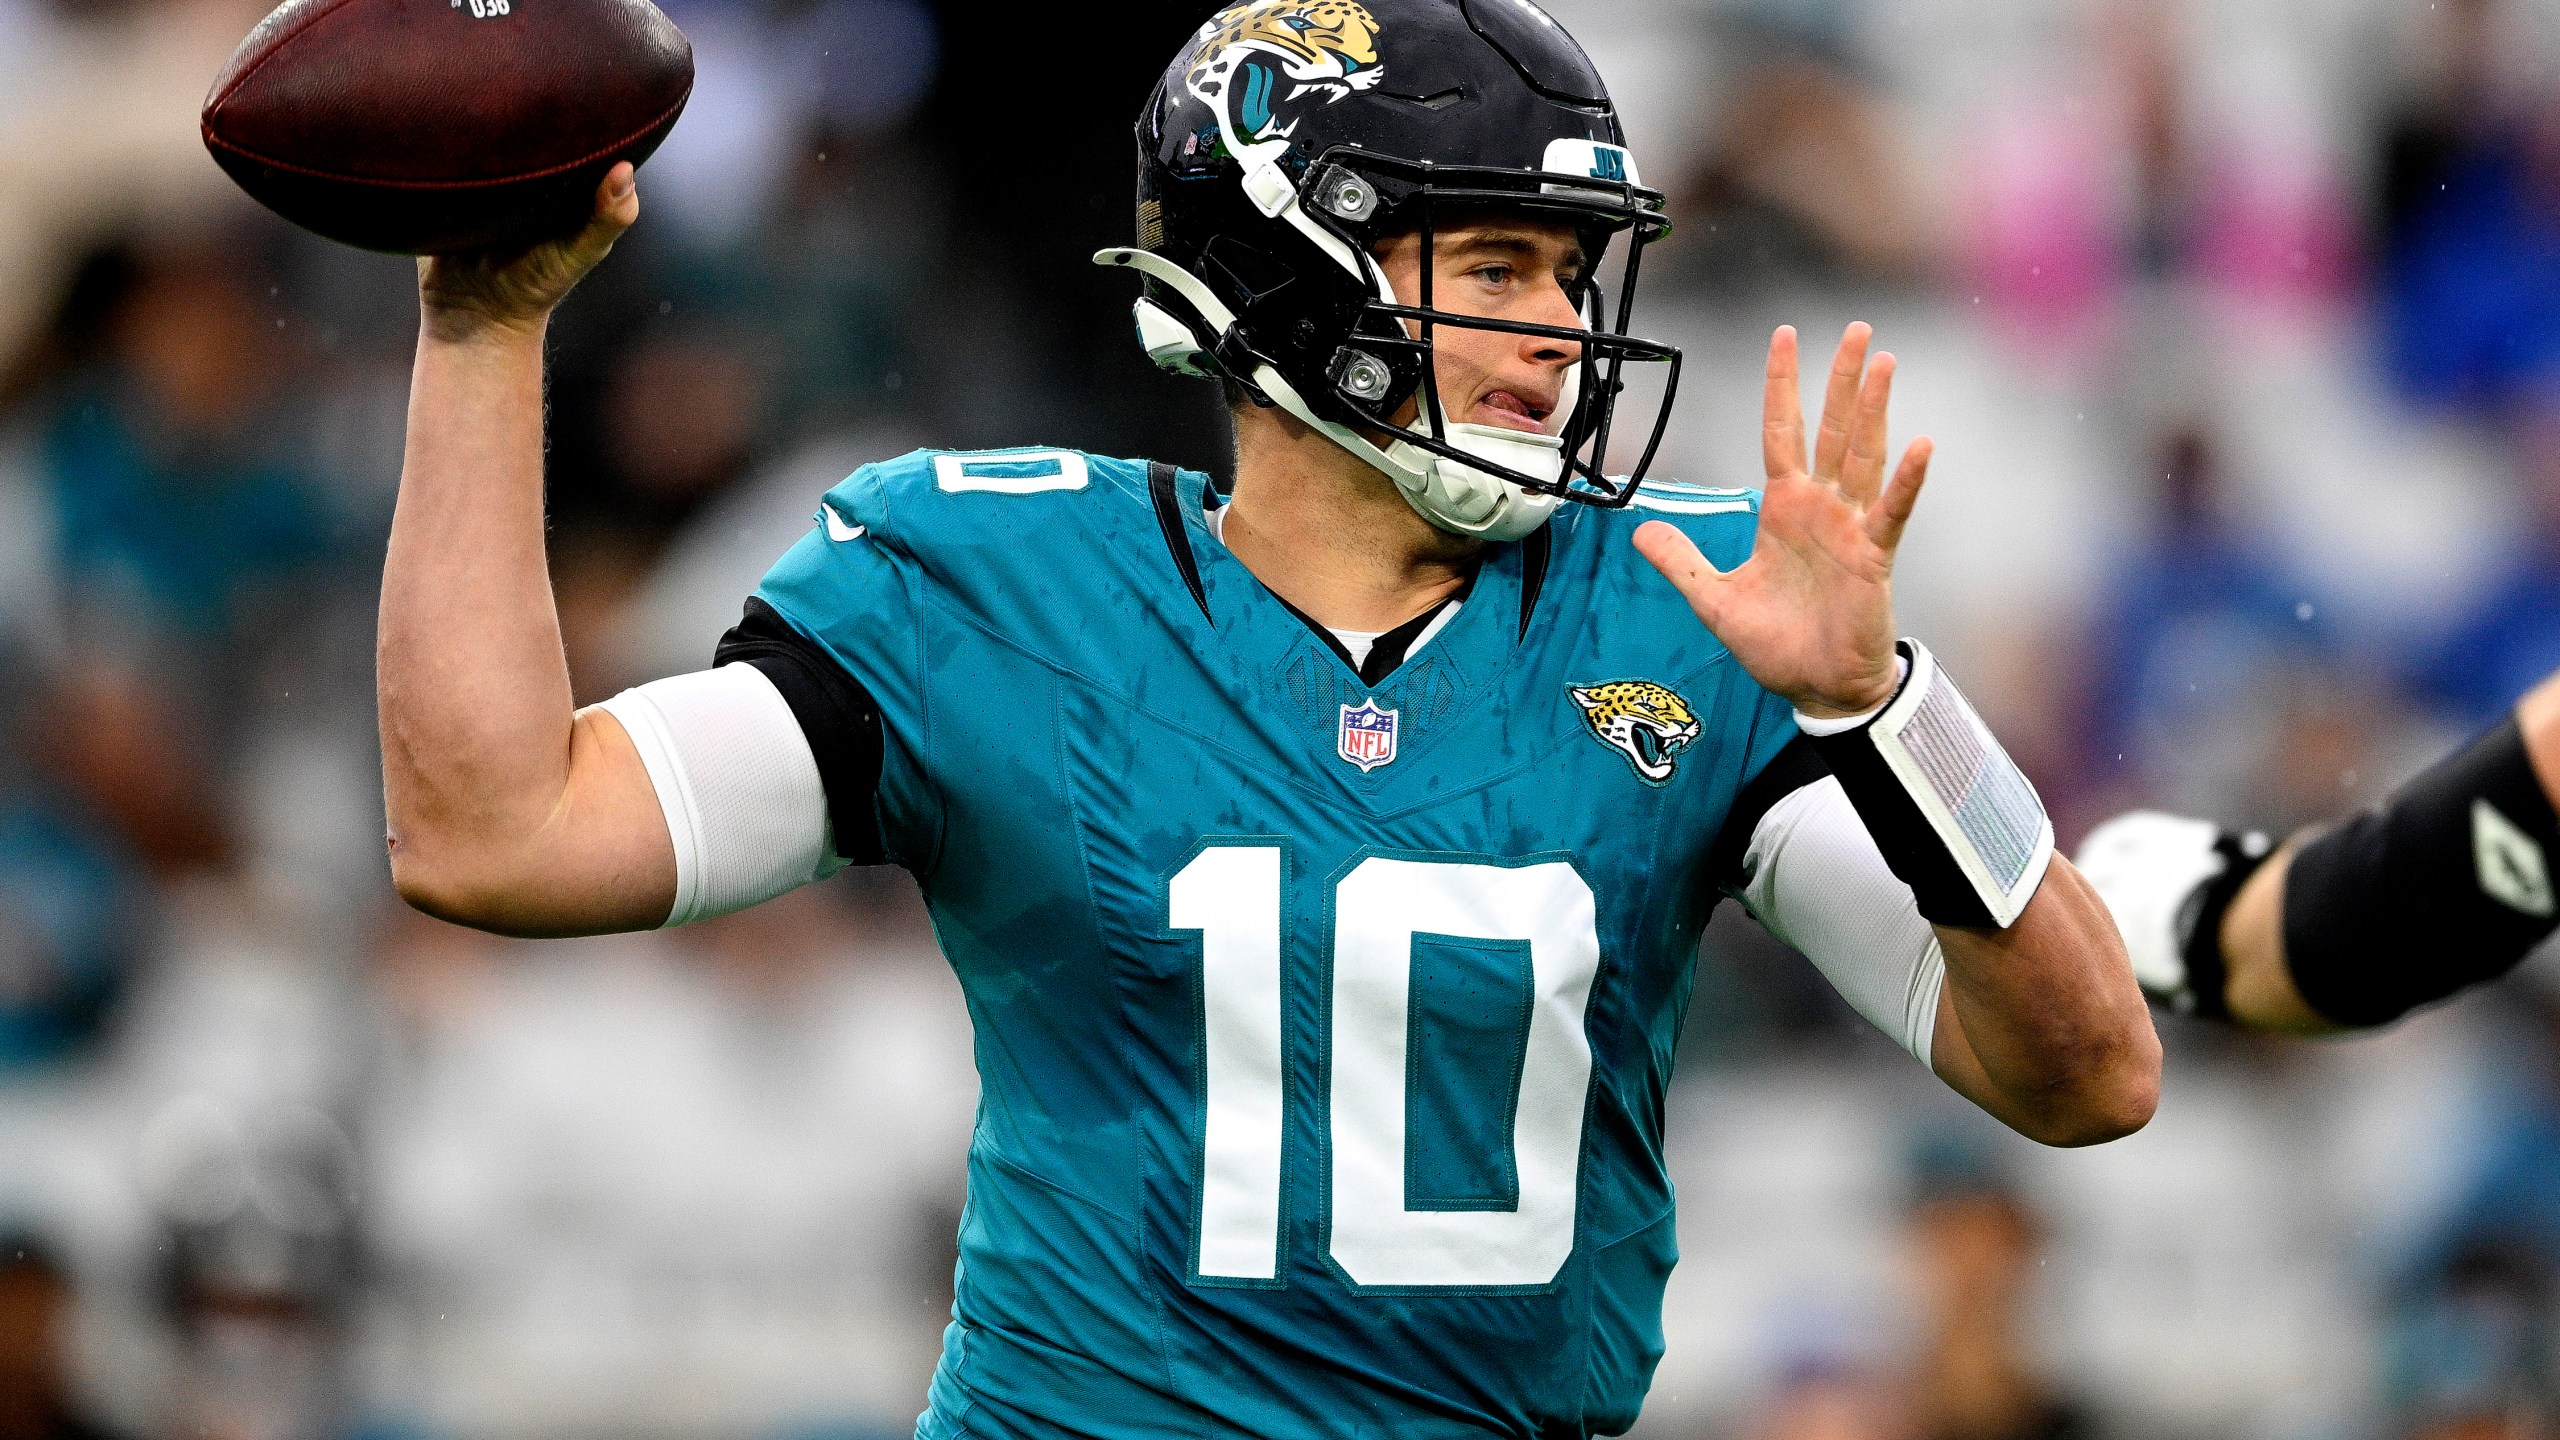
[{"x": 2239, "y": 328}]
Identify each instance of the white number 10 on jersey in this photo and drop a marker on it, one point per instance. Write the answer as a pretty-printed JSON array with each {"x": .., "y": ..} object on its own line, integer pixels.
[{"x": 1231, "y": 894}]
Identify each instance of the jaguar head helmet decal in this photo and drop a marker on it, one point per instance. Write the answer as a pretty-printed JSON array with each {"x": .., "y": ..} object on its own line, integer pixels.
[
  {"x": 1262, "y": 60},
  {"x": 1647, "y": 723}
]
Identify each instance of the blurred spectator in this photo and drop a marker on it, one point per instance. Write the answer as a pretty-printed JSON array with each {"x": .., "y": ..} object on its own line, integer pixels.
[
  {"x": 1830, "y": 1405},
  {"x": 189, "y": 539},
  {"x": 681, "y": 419},
  {"x": 2473, "y": 1339},
  {"x": 256, "y": 1271},
  {"x": 69, "y": 910},
  {"x": 2121, "y": 174},
  {"x": 1976, "y": 1246},
  {"x": 709, "y": 1177},
  {"x": 178, "y": 506},
  {"x": 2472, "y": 1348},
  {"x": 2510, "y": 636},
  {"x": 98, "y": 102},
  {"x": 2202, "y": 640},
  {"x": 769, "y": 79},
  {"x": 127, "y": 742},
  {"x": 35, "y": 1368},
  {"x": 1802, "y": 172},
  {"x": 2470, "y": 219},
  {"x": 74, "y": 909}
]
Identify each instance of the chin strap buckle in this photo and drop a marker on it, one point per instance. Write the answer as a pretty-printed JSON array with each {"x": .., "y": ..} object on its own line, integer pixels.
[{"x": 1268, "y": 187}]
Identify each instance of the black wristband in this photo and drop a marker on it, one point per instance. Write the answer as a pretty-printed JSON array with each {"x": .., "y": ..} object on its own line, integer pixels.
[{"x": 2199, "y": 923}]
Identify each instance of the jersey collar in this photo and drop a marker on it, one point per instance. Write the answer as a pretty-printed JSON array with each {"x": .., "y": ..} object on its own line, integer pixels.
[{"x": 1178, "y": 495}]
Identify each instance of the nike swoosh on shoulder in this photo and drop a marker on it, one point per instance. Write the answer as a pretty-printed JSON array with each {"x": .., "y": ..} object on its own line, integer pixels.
[{"x": 837, "y": 529}]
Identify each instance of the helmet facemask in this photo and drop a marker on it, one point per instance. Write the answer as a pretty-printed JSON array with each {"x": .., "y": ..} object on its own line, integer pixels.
[{"x": 1487, "y": 480}]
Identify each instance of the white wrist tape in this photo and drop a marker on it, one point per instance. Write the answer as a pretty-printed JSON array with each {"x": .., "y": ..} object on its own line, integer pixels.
[
  {"x": 737, "y": 783},
  {"x": 1947, "y": 806}
]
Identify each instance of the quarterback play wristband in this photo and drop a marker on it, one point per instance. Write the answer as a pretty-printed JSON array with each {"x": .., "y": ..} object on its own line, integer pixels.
[{"x": 1953, "y": 815}]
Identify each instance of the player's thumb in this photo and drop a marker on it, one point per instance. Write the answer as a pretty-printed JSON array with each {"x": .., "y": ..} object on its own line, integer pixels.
[
  {"x": 617, "y": 207},
  {"x": 1670, "y": 550}
]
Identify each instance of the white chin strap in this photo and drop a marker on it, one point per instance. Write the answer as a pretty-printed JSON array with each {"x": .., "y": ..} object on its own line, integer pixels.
[
  {"x": 1464, "y": 500},
  {"x": 1456, "y": 496}
]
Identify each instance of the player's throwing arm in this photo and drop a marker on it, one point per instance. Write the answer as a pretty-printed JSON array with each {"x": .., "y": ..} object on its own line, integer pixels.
[
  {"x": 2039, "y": 1021},
  {"x": 506, "y": 810}
]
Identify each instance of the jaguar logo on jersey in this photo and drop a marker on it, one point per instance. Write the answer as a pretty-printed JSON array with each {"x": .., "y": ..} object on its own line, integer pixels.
[
  {"x": 1368, "y": 735},
  {"x": 1647, "y": 723},
  {"x": 1259, "y": 60}
]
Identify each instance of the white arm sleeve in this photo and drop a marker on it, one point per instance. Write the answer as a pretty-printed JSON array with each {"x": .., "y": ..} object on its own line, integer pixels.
[
  {"x": 1815, "y": 879},
  {"x": 738, "y": 784}
]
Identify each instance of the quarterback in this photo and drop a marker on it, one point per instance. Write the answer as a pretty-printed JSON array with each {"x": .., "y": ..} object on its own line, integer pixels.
[{"x": 1323, "y": 857}]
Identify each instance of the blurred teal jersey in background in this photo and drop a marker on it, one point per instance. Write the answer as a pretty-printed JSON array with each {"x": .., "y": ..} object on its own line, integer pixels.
[{"x": 1323, "y": 1026}]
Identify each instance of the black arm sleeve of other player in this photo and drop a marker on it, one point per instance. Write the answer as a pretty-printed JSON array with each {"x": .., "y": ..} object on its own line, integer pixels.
[
  {"x": 2446, "y": 885},
  {"x": 1788, "y": 771},
  {"x": 835, "y": 712}
]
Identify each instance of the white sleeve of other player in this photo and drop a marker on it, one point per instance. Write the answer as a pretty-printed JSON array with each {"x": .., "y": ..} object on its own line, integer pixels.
[
  {"x": 737, "y": 783},
  {"x": 1815, "y": 879}
]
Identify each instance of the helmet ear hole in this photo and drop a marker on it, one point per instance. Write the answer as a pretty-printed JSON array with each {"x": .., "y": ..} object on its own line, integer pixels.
[{"x": 1378, "y": 373}]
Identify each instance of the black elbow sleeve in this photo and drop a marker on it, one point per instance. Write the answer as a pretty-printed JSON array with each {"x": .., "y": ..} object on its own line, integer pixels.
[{"x": 2446, "y": 885}]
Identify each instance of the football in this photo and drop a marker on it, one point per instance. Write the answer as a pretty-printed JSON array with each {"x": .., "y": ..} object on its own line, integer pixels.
[{"x": 433, "y": 126}]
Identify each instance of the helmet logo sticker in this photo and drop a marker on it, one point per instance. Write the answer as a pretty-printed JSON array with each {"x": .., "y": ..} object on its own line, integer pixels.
[
  {"x": 1598, "y": 159},
  {"x": 1649, "y": 724},
  {"x": 1261, "y": 59}
]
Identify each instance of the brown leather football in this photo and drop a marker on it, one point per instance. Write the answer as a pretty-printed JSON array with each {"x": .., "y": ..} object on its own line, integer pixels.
[{"x": 433, "y": 126}]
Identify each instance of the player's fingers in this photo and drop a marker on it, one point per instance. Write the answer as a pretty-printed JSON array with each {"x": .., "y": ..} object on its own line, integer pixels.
[
  {"x": 1782, "y": 409},
  {"x": 1840, "y": 401},
  {"x": 1862, "y": 473},
  {"x": 1672, "y": 552},
  {"x": 1893, "y": 511}
]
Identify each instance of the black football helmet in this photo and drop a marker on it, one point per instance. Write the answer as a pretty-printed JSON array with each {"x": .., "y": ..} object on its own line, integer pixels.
[{"x": 1291, "y": 136}]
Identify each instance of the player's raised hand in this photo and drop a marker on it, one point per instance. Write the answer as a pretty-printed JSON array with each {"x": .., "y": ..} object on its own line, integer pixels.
[
  {"x": 1810, "y": 614},
  {"x": 517, "y": 290}
]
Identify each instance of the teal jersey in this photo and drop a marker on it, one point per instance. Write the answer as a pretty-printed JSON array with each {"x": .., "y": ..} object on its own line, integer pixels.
[{"x": 1322, "y": 1026}]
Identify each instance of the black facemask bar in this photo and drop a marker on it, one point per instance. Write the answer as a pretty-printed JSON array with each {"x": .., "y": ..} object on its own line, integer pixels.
[{"x": 1598, "y": 207}]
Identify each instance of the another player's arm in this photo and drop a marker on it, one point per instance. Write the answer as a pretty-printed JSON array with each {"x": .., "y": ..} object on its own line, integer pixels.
[
  {"x": 2038, "y": 1020},
  {"x": 2350, "y": 926},
  {"x": 2259, "y": 988},
  {"x": 508, "y": 809}
]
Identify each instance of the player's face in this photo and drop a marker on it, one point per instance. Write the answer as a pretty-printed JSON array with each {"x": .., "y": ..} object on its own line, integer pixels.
[{"x": 1510, "y": 268}]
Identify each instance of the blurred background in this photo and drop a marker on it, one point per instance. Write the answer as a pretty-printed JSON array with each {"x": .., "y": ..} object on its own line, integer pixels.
[{"x": 2238, "y": 325}]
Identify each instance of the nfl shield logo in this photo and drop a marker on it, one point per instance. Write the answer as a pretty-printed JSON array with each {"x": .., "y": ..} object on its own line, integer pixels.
[{"x": 1368, "y": 735}]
